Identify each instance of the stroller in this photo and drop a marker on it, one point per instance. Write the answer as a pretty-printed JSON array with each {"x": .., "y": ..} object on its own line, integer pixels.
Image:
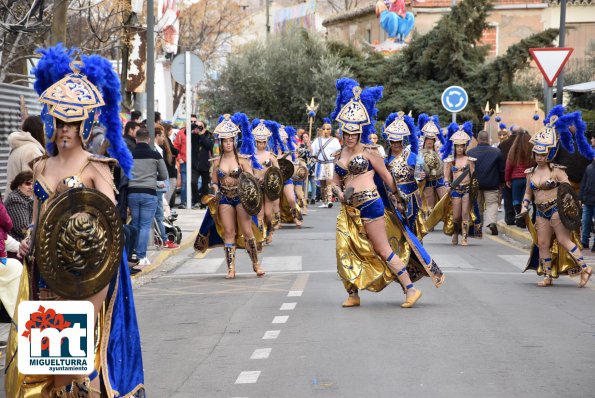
[{"x": 173, "y": 232}]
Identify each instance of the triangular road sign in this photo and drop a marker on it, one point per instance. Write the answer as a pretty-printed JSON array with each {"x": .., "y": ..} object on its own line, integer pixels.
[{"x": 550, "y": 61}]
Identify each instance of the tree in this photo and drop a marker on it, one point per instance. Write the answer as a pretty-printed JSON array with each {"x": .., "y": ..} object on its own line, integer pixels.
[
  {"x": 207, "y": 28},
  {"x": 275, "y": 80},
  {"x": 342, "y": 5}
]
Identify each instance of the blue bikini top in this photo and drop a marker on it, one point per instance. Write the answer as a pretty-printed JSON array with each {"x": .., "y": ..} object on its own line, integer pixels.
[{"x": 357, "y": 165}]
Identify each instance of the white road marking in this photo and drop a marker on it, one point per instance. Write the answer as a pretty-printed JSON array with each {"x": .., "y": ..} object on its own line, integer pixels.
[
  {"x": 518, "y": 260},
  {"x": 288, "y": 306},
  {"x": 261, "y": 353},
  {"x": 248, "y": 377},
  {"x": 451, "y": 261},
  {"x": 199, "y": 266},
  {"x": 281, "y": 319},
  {"x": 271, "y": 334},
  {"x": 294, "y": 293},
  {"x": 285, "y": 263}
]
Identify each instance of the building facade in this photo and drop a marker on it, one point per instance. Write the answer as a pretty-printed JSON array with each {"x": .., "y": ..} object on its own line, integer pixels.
[{"x": 510, "y": 21}]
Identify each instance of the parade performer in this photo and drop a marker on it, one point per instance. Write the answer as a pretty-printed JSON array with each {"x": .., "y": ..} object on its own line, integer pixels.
[
  {"x": 555, "y": 248},
  {"x": 75, "y": 193},
  {"x": 233, "y": 206},
  {"x": 400, "y": 131},
  {"x": 323, "y": 149},
  {"x": 271, "y": 181},
  {"x": 284, "y": 147},
  {"x": 365, "y": 258},
  {"x": 302, "y": 172},
  {"x": 434, "y": 187},
  {"x": 460, "y": 168}
]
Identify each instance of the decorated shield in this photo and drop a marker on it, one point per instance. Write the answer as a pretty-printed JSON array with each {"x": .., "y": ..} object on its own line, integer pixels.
[
  {"x": 287, "y": 168},
  {"x": 250, "y": 195},
  {"x": 300, "y": 172},
  {"x": 78, "y": 243},
  {"x": 568, "y": 208},
  {"x": 273, "y": 183}
]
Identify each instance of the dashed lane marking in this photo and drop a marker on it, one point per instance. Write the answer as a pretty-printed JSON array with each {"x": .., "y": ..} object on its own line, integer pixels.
[
  {"x": 271, "y": 334},
  {"x": 261, "y": 353},
  {"x": 280, "y": 319},
  {"x": 288, "y": 306},
  {"x": 294, "y": 293},
  {"x": 248, "y": 377},
  {"x": 199, "y": 266}
]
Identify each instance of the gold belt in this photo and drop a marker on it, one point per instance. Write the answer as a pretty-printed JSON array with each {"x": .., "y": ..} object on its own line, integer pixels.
[
  {"x": 545, "y": 206},
  {"x": 230, "y": 192},
  {"x": 361, "y": 197}
]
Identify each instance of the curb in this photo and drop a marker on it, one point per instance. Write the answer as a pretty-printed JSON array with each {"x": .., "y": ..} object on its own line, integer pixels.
[
  {"x": 520, "y": 235},
  {"x": 165, "y": 254}
]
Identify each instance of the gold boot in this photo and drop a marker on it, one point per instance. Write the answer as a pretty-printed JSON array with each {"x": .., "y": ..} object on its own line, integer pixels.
[
  {"x": 230, "y": 259},
  {"x": 80, "y": 388},
  {"x": 352, "y": 301},
  {"x": 546, "y": 266},
  {"x": 253, "y": 253},
  {"x": 465, "y": 233},
  {"x": 297, "y": 217},
  {"x": 455, "y": 234}
]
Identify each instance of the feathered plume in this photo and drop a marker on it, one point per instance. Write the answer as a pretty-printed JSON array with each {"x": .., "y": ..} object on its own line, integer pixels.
[
  {"x": 291, "y": 132},
  {"x": 413, "y": 140},
  {"x": 248, "y": 146},
  {"x": 101, "y": 73},
  {"x": 327, "y": 120},
  {"x": 275, "y": 141},
  {"x": 446, "y": 149},
  {"x": 584, "y": 148},
  {"x": 422, "y": 119},
  {"x": 370, "y": 96},
  {"x": 502, "y": 126},
  {"x": 344, "y": 87},
  {"x": 562, "y": 126},
  {"x": 468, "y": 128},
  {"x": 53, "y": 66}
]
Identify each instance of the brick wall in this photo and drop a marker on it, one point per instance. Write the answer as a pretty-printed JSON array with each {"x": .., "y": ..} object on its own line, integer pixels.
[{"x": 490, "y": 37}]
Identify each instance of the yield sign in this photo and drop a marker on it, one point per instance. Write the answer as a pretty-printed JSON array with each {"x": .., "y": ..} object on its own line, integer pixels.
[{"x": 550, "y": 61}]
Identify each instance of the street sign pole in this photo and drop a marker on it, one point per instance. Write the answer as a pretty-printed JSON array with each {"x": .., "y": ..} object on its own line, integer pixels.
[
  {"x": 550, "y": 62},
  {"x": 548, "y": 95},
  {"x": 188, "y": 84},
  {"x": 454, "y": 117}
]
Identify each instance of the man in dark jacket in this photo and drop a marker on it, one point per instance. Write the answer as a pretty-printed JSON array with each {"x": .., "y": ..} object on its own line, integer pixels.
[
  {"x": 489, "y": 169},
  {"x": 202, "y": 147},
  {"x": 587, "y": 198},
  {"x": 504, "y": 148},
  {"x": 130, "y": 134}
]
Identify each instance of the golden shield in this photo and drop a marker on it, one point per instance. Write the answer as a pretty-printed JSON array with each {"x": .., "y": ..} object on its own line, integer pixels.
[
  {"x": 273, "y": 183},
  {"x": 78, "y": 243},
  {"x": 300, "y": 172},
  {"x": 287, "y": 169},
  {"x": 250, "y": 195},
  {"x": 568, "y": 207}
]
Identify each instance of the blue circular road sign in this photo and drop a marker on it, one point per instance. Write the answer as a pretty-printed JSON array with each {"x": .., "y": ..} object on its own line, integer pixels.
[{"x": 454, "y": 99}]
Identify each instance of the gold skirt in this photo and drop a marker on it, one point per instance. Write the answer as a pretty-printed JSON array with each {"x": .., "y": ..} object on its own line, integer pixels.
[{"x": 360, "y": 267}]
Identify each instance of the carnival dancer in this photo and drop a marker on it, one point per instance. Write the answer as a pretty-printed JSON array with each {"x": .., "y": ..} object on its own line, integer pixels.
[
  {"x": 323, "y": 149},
  {"x": 302, "y": 172},
  {"x": 460, "y": 168},
  {"x": 231, "y": 206},
  {"x": 262, "y": 131},
  {"x": 400, "y": 131},
  {"x": 434, "y": 186},
  {"x": 555, "y": 248},
  {"x": 75, "y": 193},
  {"x": 285, "y": 149},
  {"x": 365, "y": 258}
]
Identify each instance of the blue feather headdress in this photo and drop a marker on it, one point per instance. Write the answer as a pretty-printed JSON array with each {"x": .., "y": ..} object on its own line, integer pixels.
[
  {"x": 327, "y": 120},
  {"x": 248, "y": 145},
  {"x": 291, "y": 140},
  {"x": 557, "y": 132},
  {"x": 275, "y": 142},
  {"x": 355, "y": 109},
  {"x": 430, "y": 127},
  {"x": 54, "y": 68},
  {"x": 401, "y": 127},
  {"x": 456, "y": 135}
]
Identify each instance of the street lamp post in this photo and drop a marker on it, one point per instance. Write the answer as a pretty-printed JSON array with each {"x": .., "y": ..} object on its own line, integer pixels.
[
  {"x": 561, "y": 43},
  {"x": 151, "y": 70}
]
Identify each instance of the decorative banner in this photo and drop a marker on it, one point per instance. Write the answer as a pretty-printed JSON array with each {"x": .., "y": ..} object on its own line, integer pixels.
[
  {"x": 137, "y": 63},
  {"x": 169, "y": 24},
  {"x": 302, "y": 16}
]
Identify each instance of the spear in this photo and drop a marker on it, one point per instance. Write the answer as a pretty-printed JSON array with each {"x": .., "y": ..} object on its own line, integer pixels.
[{"x": 312, "y": 108}]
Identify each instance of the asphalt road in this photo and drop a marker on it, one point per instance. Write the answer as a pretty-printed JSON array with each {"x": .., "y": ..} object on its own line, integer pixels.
[{"x": 488, "y": 332}]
